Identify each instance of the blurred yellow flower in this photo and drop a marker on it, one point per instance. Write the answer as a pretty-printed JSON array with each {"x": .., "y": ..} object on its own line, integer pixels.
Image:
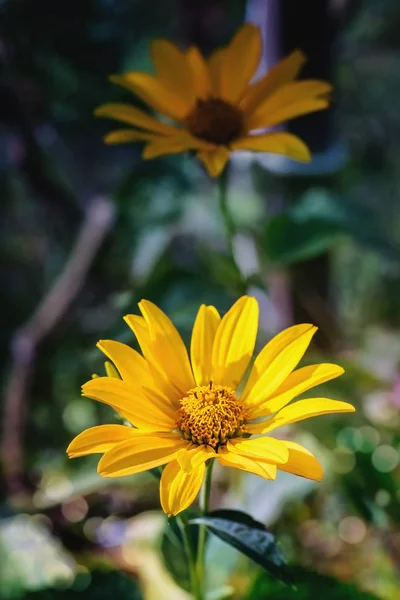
[
  {"x": 186, "y": 412},
  {"x": 215, "y": 106}
]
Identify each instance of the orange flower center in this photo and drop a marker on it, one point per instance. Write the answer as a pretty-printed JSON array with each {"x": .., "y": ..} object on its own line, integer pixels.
[
  {"x": 211, "y": 415},
  {"x": 216, "y": 121}
]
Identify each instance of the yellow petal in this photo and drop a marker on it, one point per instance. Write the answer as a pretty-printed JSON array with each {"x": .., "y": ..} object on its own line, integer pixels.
[
  {"x": 130, "y": 364},
  {"x": 192, "y": 458},
  {"x": 111, "y": 371},
  {"x": 263, "y": 448},
  {"x": 200, "y": 72},
  {"x": 179, "y": 489},
  {"x": 244, "y": 463},
  {"x": 234, "y": 342},
  {"x": 277, "y": 143},
  {"x": 171, "y": 145},
  {"x": 298, "y": 382},
  {"x": 173, "y": 71},
  {"x": 154, "y": 93},
  {"x": 97, "y": 440},
  {"x": 274, "y": 363},
  {"x": 240, "y": 61},
  {"x": 214, "y": 160},
  {"x": 290, "y": 101},
  {"x": 283, "y": 72},
  {"x": 160, "y": 378},
  {"x": 204, "y": 330},
  {"x": 140, "y": 454},
  {"x": 304, "y": 409},
  {"x": 216, "y": 64},
  {"x": 133, "y": 116},
  {"x": 125, "y": 136},
  {"x": 134, "y": 369},
  {"x": 131, "y": 403},
  {"x": 167, "y": 347},
  {"x": 302, "y": 462}
]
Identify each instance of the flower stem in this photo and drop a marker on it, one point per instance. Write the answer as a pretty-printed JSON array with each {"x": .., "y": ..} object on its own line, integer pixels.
[
  {"x": 227, "y": 217},
  {"x": 204, "y": 507},
  {"x": 194, "y": 580}
]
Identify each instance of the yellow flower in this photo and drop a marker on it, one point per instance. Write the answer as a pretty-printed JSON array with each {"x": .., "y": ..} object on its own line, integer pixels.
[
  {"x": 186, "y": 412},
  {"x": 215, "y": 106}
]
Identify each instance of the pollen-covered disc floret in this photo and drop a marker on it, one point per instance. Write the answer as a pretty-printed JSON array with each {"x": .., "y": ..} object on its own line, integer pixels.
[
  {"x": 216, "y": 121},
  {"x": 211, "y": 415}
]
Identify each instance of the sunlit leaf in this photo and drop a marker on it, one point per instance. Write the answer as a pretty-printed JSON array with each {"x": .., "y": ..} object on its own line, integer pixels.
[{"x": 248, "y": 536}]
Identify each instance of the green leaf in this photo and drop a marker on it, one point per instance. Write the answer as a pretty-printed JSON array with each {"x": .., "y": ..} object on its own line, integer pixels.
[
  {"x": 286, "y": 240},
  {"x": 308, "y": 585},
  {"x": 248, "y": 536},
  {"x": 314, "y": 223}
]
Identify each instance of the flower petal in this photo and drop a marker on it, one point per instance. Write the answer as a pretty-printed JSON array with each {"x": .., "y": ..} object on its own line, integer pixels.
[
  {"x": 179, "y": 489},
  {"x": 167, "y": 347},
  {"x": 296, "y": 383},
  {"x": 277, "y": 143},
  {"x": 203, "y": 335},
  {"x": 283, "y": 72},
  {"x": 152, "y": 91},
  {"x": 244, "y": 463},
  {"x": 216, "y": 63},
  {"x": 133, "y": 116},
  {"x": 131, "y": 403},
  {"x": 302, "y": 409},
  {"x": 130, "y": 364},
  {"x": 234, "y": 342},
  {"x": 172, "y": 145},
  {"x": 134, "y": 369},
  {"x": 214, "y": 160},
  {"x": 263, "y": 448},
  {"x": 240, "y": 61},
  {"x": 140, "y": 454},
  {"x": 290, "y": 101},
  {"x": 274, "y": 363},
  {"x": 125, "y": 136},
  {"x": 173, "y": 71},
  {"x": 97, "y": 440},
  {"x": 192, "y": 458},
  {"x": 200, "y": 72},
  {"x": 301, "y": 462},
  {"x": 111, "y": 371},
  {"x": 142, "y": 332}
]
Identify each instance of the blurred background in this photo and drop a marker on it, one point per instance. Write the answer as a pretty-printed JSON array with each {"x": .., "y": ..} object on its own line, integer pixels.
[{"x": 88, "y": 230}]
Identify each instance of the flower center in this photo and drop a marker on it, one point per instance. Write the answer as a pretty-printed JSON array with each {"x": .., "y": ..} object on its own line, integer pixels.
[
  {"x": 211, "y": 415},
  {"x": 216, "y": 121}
]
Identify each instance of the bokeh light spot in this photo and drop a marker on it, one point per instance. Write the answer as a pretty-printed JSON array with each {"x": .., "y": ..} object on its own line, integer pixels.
[
  {"x": 370, "y": 438},
  {"x": 352, "y": 530},
  {"x": 385, "y": 458},
  {"x": 344, "y": 460},
  {"x": 349, "y": 437},
  {"x": 75, "y": 510},
  {"x": 78, "y": 415},
  {"x": 382, "y": 498},
  {"x": 91, "y": 528}
]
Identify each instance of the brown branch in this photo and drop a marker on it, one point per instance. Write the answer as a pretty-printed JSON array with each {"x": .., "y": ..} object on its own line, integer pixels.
[{"x": 51, "y": 309}]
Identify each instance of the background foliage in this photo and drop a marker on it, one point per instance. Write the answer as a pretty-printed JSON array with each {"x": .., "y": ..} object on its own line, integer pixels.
[{"x": 65, "y": 532}]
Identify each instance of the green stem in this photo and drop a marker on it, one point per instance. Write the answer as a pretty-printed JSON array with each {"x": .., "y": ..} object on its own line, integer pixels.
[
  {"x": 194, "y": 580},
  {"x": 204, "y": 507},
  {"x": 223, "y": 204}
]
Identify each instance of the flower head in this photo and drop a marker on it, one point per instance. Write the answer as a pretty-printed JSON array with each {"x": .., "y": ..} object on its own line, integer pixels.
[
  {"x": 211, "y": 106},
  {"x": 186, "y": 412}
]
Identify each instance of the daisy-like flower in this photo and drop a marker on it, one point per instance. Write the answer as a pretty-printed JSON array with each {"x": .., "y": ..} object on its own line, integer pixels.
[
  {"x": 187, "y": 412},
  {"x": 210, "y": 105}
]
